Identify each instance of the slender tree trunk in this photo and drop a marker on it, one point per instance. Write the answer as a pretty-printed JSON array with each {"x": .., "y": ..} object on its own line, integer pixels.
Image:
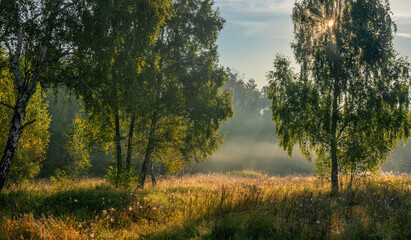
[
  {"x": 130, "y": 144},
  {"x": 25, "y": 92},
  {"x": 117, "y": 140},
  {"x": 351, "y": 180},
  {"x": 146, "y": 164},
  {"x": 149, "y": 150},
  {"x": 334, "y": 157},
  {"x": 16, "y": 129},
  {"x": 152, "y": 174}
]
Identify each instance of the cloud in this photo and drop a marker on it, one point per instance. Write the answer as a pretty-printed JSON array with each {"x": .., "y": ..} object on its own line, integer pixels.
[
  {"x": 256, "y": 6},
  {"x": 404, "y": 35},
  {"x": 252, "y": 28},
  {"x": 401, "y": 9},
  {"x": 258, "y": 17},
  {"x": 261, "y": 28}
]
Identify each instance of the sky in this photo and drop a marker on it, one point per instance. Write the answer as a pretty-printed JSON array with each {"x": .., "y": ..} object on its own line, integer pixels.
[{"x": 256, "y": 30}]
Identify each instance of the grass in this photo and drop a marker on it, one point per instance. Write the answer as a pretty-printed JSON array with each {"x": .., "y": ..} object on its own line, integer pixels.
[
  {"x": 213, "y": 206},
  {"x": 244, "y": 173}
]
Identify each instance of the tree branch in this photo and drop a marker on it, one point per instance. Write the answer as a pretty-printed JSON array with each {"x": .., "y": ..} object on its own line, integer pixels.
[
  {"x": 27, "y": 124},
  {"x": 6, "y": 105}
]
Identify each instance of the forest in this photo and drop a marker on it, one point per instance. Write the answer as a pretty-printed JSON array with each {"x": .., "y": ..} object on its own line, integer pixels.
[{"x": 118, "y": 121}]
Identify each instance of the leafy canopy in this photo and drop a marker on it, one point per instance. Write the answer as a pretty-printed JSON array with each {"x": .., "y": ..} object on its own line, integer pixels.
[{"x": 350, "y": 75}]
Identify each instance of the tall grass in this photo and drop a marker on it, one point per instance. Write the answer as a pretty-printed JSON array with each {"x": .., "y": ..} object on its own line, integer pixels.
[{"x": 210, "y": 207}]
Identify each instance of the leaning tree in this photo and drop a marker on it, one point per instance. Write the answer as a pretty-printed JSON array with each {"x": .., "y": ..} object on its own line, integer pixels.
[
  {"x": 34, "y": 37},
  {"x": 349, "y": 106}
]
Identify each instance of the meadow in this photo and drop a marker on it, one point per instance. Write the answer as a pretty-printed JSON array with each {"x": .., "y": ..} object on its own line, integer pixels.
[{"x": 238, "y": 205}]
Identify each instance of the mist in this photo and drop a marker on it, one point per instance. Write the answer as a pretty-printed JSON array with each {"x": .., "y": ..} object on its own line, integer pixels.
[{"x": 251, "y": 142}]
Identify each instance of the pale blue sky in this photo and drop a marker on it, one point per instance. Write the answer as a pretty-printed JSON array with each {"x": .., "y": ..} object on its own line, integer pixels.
[{"x": 256, "y": 30}]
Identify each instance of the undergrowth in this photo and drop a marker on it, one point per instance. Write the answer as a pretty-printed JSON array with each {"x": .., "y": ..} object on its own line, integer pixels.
[{"x": 210, "y": 207}]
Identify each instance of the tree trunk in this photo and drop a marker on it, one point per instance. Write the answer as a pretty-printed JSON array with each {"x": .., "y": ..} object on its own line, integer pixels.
[
  {"x": 117, "y": 140},
  {"x": 334, "y": 157},
  {"x": 16, "y": 129},
  {"x": 152, "y": 174},
  {"x": 130, "y": 144},
  {"x": 149, "y": 150},
  {"x": 351, "y": 180},
  {"x": 146, "y": 164}
]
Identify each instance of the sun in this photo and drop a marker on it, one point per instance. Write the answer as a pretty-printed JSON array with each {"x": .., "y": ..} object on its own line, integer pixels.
[{"x": 330, "y": 23}]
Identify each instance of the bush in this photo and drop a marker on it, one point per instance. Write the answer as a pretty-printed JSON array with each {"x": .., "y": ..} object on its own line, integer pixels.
[{"x": 244, "y": 173}]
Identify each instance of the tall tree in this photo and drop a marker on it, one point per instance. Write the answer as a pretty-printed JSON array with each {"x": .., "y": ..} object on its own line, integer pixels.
[
  {"x": 184, "y": 97},
  {"x": 349, "y": 106},
  {"x": 112, "y": 40},
  {"x": 33, "y": 142},
  {"x": 34, "y": 38}
]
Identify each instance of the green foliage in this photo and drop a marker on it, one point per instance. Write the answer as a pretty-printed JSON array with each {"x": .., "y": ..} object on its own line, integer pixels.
[
  {"x": 127, "y": 179},
  {"x": 34, "y": 140},
  {"x": 35, "y": 37},
  {"x": 244, "y": 173},
  {"x": 252, "y": 116},
  {"x": 173, "y": 98},
  {"x": 185, "y": 103},
  {"x": 350, "y": 103},
  {"x": 113, "y": 50},
  {"x": 79, "y": 147},
  {"x": 62, "y": 177},
  {"x": 62, "y": 108}
]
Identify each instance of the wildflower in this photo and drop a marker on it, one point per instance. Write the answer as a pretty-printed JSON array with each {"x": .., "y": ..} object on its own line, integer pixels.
[
  {"x": 318, "y": 221},
  {"x": 75, "y": 200},
  {"x": 130, "y": 208},
  {"x": 92, "y": 235},
  {"x": 104, "y": 212}
]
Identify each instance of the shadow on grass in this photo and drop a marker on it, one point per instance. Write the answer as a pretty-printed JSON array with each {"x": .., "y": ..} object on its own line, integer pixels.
[
  {"x": 82, "y": 202},
  {"x": 374, "y": 213}
]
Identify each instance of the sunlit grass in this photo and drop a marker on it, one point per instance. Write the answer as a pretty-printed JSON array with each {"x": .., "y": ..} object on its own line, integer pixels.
[
  {"x": 213, "y": 206},
  {"x": 244, "y": 173}
]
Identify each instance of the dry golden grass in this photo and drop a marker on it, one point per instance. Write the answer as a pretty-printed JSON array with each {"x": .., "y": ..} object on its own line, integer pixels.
[{"x": 212, "y": 206}]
